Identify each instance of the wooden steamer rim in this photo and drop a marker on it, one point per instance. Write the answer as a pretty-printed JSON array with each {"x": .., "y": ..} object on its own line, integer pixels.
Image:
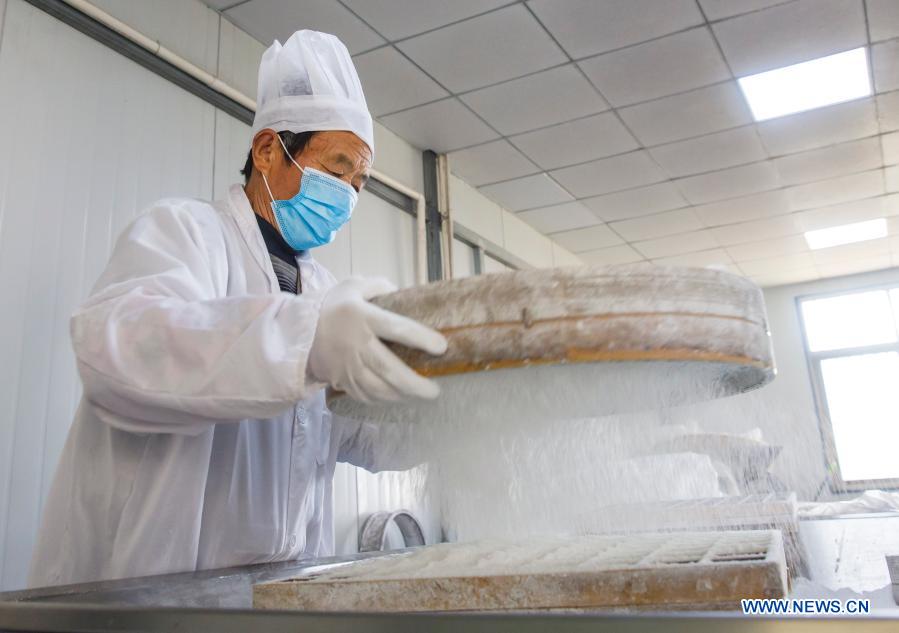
[{"x": 592, "y": 314}]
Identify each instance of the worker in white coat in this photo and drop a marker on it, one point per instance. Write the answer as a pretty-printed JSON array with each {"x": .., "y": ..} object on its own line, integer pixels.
[{"x": 202, "y": 439}]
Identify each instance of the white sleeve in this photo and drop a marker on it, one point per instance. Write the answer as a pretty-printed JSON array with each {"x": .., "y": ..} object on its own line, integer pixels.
[
  {"x": 377, "y": 446},
  {"x": 160, "y": 349}
]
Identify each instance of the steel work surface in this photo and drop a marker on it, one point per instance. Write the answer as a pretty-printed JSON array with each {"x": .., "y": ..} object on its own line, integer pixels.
[{"x": 64, "y": 618}]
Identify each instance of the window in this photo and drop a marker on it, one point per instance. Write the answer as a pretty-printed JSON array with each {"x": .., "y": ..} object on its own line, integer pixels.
[{"x": 853, "y": 350}]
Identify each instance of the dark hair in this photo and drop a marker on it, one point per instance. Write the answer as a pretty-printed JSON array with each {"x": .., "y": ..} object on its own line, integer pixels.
[{"x": 294, "y": 142}]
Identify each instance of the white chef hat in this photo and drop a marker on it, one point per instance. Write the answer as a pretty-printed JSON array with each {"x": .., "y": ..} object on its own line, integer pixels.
[{"x": 311, "y": 85}]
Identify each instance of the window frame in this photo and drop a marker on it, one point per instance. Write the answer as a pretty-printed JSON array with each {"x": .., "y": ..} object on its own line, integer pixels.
[{"x": 836, "y": 483}]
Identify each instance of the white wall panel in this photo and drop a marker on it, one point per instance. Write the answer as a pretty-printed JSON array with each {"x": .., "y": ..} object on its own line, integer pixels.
[
  {"x": 239, "y": 56},
  {"x": 89, "y": 138},
  {"x": 186, "y": 27},
  {"x": 232, "y": 143},
  {"x": 383, "y": 241}
]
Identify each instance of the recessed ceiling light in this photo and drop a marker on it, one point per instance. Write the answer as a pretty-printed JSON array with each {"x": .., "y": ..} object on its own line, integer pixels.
[
  {"x": 846, "y": 234},
  {"x": 814, "y": 84}
]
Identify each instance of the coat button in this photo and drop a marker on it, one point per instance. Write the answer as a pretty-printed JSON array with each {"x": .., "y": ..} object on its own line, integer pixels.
[{"x": 293, "y": 541}]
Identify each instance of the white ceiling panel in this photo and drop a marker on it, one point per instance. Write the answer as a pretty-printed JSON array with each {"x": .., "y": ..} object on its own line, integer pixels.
[
  {"x": 560, "y": 217},
  {"x": 633, "y": 203},
  {"x": 714, "y": 258},
  {"x": 588, "y": 239},
  {"x": 538, "y": 100},
  {"x": 791, "y": 33},
  {"x": 397, "y": 19},
  {"x": 720, "y": 9},
  {"x": 846, "y": 213},
  {"x": 888, "y": 111},
  {"x": 623, "y": 254},
  {"x": 269, "y": 20},
  {"x": 609, "y": 174},
  {"x": 774, "y": 265},
  {"x": 759, "y": 205},
  {"x": 857, "y": 250},
  {"x": 730, "y": 183},
  {"x": 768, "y": 249},
  {"x": 757, "y": 230},
  {"x": 710, "y": 152},
  {"x": 836, "y": 190},
  {"x": 662, "y": 67},
  {"x": 785, "y": 277},
  {"x": 890, "y": 148},
  {"x": 883, "y": 19},
  {"x": 391, "y": 82},
  {"x": 659, "y": 225},
  {"x": 490, "y": 162},
  {"x": 886, "y": 66},
  {"x": 526, "y": 193},
  {"x": 484, "y": 50},
  {"x": 891, "y": 176},
  {"x": 828, "y": 162},
  {"x": 220, "y": 5},
  {"x": 854, "y": 266},
  {"x": 577, "y": 141},
  {"x": 677, "y": 244},
  {"x": 441, "y": 126},
  {"x": 587, "y": 27},
  {"x": 702, "y": 111},
  {"x": 819, "y": 128}
]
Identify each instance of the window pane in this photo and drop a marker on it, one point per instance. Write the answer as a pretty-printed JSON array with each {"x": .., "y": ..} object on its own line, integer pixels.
[
  {"x": 863, "y": 318},
  {"x": 463, "y": 259},
  {"x": 863, "y": 401}
]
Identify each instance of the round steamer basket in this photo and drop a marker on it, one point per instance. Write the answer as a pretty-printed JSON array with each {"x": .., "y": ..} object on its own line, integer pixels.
[{"x": 555, "y": 342}]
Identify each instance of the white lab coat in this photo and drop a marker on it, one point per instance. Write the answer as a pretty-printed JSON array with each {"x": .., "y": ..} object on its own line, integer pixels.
[{"x": 199, "y": 442}]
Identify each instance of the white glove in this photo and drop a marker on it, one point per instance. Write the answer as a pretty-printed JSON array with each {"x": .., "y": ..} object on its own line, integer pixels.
[{"x": 347, "y": 352}]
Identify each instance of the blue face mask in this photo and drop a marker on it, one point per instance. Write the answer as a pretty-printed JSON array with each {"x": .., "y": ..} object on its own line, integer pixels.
[{"x": 312, "y": 217}]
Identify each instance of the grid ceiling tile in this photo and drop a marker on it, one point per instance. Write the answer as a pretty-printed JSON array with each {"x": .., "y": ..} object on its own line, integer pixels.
[
  {"x": 622, "y": 254},
  {"x": 673, "y": 64},
  {"x": 587, "y": 27},
  {"x": 490, "y": 162},
  {"x": 774, "y": 265},
  {"x": 677, "y": 244},
  {"x": 734, "y": 210},
  {"x": 633, "y": 203},
  {"x": 836, "y": 190},
  {"x": 269, "y": 20},
  {"x": 855, "y": 251},
  {"x": 891, "y": 175},
  {"x": 888, "y": 111},
  {"x": 720, "y": 9},
  {"x": 714, "y": 258},
  {"x": 757, "y": 230},
  {"x": 702, "y": 111},
  {"x": 577, "y": 141},
  {"x": 845, "y": 213},
  {"x": 738, "y": 146},
  {"x": 560, "y": 217},
  {"x": 767, "y": 249},
  {"x": 854, "y": 266},
  {"x": 588, "y": 239},
  {"x": 890, "y": 148},
  {"x": 484, "y": 50},
  {"x": 730, "y": 183},
  {"x": 659, "y": 225},
  {"x": 391, "y": 82},
  {"x": 886, "y": 66},
  {"x": 529, "y": 192},
  {"x": 828, "y": 162},
  {"x": 791, "y": 33},
  {"x": 609, "y": 174},
  {"x": 819, "y": 128},
  {"x": 442, "y": 126},
  {"x": 545, "y": 98},
  {"x": 396, "y": 19},
  {"x": 883, "y": 19},
  {"x": 785, "y": 277}
]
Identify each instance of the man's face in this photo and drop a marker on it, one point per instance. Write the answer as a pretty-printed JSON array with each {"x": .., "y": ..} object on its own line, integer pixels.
[{"x": 340, "y": 154}]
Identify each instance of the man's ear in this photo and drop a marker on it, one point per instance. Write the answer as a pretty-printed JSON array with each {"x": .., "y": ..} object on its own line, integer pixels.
[{"x": 265, "y": 149}]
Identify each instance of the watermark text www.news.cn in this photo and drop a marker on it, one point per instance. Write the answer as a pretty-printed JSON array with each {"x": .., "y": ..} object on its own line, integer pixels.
[{"x": 784, "y": 606}]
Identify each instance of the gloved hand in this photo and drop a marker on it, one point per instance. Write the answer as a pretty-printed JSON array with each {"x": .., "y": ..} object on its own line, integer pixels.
[{"x": 347, "y": 352}]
